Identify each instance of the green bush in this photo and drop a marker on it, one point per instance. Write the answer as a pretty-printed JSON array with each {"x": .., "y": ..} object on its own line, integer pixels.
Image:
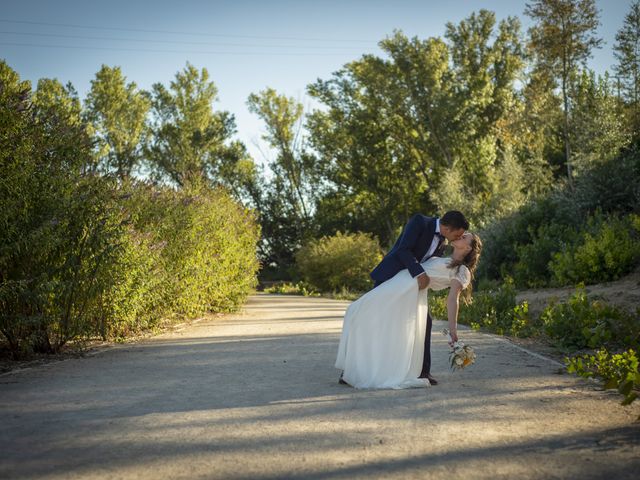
[
  {"x": 524, "y": 243},
  {"x": 610, "y": 187},
  {"x": 287, "y": 288},
  {"x": 497, "y": 310},
  {"x": 341, "y": 261},
  {"x": 58, "y": 224},
  {"x": 580, "y": 323},
  {"x": 184, "y": 253},
  {"x": 438, "y": 304},
  {"x": 82, "y": 256},
  {"x": 608, "y": 249},
  {"x": 532, "y": 269},
  {"x": 494, "y": 309},
  {"x": 618, "y": 370}
]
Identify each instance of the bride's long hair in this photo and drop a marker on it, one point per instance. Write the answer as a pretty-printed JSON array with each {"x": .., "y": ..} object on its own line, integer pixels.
[{"x": 471, "y": 262}]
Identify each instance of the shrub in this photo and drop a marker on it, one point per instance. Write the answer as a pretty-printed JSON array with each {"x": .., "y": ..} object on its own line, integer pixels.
[
  {"x": 494, "y": 309},
  {"x": 209, "y": 249},
  {"x": 438, "y": 304},
  {"x": 287, "y": 288},
  {"x": 611, "y": 187},
  {"x": 618, "y": 370},
  {"x": 340, "y": 261},
  {"x": 58, "y": 224},
  {"x": 83, "y": 256},
  {"x": 581, "y": 322},
  {"x": 523, "y": 244},
  {"x": 532, "y": 269},
  {"x": 497, "y": 311},
  {"x": 608, "y": 249}
]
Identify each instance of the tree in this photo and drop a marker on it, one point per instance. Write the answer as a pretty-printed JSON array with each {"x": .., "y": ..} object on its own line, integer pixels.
[
  {"x": 539, "y": 134},
  {"x": 117, "y": 110},
  {"x": 188, "y": 144},
  {"x": 283, "y": 118},
  {"x": 285, "y": 202},
  {"x": 599, "y": 124},
  {"x": 489, "y": 111},
  {"x": 55, "y": 217},
  {"x": 367, "y": 141},
  {"x": 561, "y": 41},
  {"x": 627, "y": 52}
]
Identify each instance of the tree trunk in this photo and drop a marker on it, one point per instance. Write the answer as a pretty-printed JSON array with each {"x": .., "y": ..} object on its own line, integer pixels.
[{"x": 565, "y": 100}]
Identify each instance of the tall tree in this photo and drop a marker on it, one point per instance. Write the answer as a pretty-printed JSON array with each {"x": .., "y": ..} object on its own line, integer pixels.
[
  {"x": 561, "y": 41},
  {"x": 599, "y": 124},
  {"x": 283, "y": 117},
  {"x": 627, "y": 52},
  {"x": 117, "y": 110},
  {"x": 377, "y": 149},
  {"x": 399, "y": 134},
  {"x": 190, "y": 140},
  {"x": 540, "y": 141},
  {"x": 486, "y": 65},
  {"x": 285, "y": 201}
]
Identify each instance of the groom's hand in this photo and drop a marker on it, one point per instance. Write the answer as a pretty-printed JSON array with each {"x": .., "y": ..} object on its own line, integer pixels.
[{"x": 423, "y": 281}]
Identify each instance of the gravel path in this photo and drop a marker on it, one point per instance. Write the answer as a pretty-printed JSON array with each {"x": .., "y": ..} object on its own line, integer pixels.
[{"x": 255, "y": 395}]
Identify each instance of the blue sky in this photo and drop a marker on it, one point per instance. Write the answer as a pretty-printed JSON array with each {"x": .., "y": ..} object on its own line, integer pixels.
[{"x": 246, "y": 45}]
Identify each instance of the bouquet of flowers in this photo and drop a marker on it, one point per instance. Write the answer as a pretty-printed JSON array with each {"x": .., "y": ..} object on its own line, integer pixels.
[{"x": 461, "y": 355}]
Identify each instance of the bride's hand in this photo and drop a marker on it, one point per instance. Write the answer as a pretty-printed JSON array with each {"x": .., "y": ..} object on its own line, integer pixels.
[
  {"x": 454, "y": 337},
  {"x": 423, "y": 281}
]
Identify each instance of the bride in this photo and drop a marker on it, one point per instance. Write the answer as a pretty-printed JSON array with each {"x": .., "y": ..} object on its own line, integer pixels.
[{"x": 383, "y": 333}]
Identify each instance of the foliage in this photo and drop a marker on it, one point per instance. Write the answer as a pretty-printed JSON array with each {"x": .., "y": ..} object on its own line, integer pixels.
[
  {"x": 117, "y": 111},
  {"x": 599, "y": 129},
  {"x": 341, "y": 261},
  {"x": 442, "y": 114},
  {"x": 497, "y": 311},
  {"x": 627, "y": 52},
  {"x": 285, "y": 200},
  {"x": 581, "y": 323},
  {"x": 58, "y": 225},
  {"x": 82, "y": 255},
  {"x": 561, "y": 40},
  {"x": 533, "y": 269},
  {"x": 493, "y": 309},
  {"x": 618, "y": 370},
  {"x": 190, "y": 142},
  {"x": 608, "y": 248},
  {"x": 438, "y": 304},
  {"x": 288, "y": 288},
  {"x": 524, "y": 243}
]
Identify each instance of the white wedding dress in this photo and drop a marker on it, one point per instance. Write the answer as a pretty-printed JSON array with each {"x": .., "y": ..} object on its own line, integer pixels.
[{"x": 382, "y": 342}]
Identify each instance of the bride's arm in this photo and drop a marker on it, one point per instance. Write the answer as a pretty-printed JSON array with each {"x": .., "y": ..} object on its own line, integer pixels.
[{"x": 453, "y": 305}]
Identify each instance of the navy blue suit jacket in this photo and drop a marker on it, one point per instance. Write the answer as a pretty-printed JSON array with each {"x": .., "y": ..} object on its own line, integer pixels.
[{"x": 411, "y": 246}]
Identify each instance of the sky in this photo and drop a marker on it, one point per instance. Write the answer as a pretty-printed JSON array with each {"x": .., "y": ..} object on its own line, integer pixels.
[{"x": 245, "y": 45}]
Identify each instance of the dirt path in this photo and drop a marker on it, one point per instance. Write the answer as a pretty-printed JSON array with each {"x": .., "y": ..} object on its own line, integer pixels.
[{"x": 255, "y": 396}]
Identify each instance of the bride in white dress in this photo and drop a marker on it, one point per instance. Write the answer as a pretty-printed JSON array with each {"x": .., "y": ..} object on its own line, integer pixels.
[{"x": 383, "y": 333}]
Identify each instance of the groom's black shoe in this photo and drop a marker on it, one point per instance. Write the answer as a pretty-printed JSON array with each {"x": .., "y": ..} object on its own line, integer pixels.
[
  {"x": 428, "y": 376},
  {"x": 341, "y": 380}
]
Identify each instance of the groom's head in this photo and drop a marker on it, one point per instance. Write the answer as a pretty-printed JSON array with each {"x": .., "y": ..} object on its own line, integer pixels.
[{"x": 453, "y": 225}]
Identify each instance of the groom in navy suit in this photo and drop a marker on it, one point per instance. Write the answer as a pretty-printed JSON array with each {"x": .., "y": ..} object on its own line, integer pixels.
[{"x": 422, "y": 238}]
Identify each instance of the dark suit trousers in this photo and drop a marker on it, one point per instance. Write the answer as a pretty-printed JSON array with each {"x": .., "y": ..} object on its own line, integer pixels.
[{"x": 426, "y": 361}]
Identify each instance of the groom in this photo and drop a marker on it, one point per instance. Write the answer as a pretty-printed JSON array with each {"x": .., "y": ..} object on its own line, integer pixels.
[{"x": 422, "y": 238}]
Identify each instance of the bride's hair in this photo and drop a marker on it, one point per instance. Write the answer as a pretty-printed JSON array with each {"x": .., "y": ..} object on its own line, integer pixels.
[{"x": 471, "y": 262}]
